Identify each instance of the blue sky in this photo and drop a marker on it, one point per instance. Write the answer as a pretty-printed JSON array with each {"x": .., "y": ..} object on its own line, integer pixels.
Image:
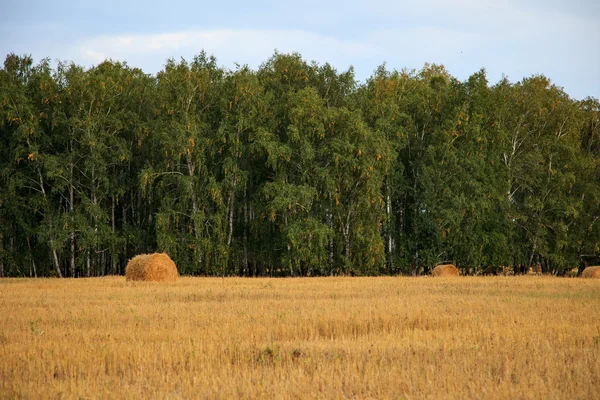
[{"x": 557, "y": 38}]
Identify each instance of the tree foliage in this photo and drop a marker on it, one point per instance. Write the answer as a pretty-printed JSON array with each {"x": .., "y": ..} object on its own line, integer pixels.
[{"x": 293, "y": 169}]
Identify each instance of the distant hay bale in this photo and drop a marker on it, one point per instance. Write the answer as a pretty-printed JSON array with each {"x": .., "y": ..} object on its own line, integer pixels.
[
  {"x": 151, "y": 267},
  {"x": 591, "y": 272},
  {"x": 572, "y": 273},
  {"x": 445, "y": 270},
  {"x": 535, "y": 270}
]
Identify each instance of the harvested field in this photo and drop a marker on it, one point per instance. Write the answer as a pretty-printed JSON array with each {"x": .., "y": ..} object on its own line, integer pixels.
[{"x": 474, "y": 337}]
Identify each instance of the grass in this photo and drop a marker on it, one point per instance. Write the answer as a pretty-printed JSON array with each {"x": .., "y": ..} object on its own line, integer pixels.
[{"x": 468, "y": 337}]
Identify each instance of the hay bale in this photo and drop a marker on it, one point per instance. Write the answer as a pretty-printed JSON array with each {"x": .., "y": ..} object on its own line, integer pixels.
[
  {"x": 445, "y": 270},
  {"x": 572, "y": 273},
  {"x": 591, "y": 272},
  {"x": 535, "y": 269},
  {"x": 151, "y": 267}
]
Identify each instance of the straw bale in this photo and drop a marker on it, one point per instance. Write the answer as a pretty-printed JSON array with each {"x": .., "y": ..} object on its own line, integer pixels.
[
  {"x": 445, "y": 270},
  {"x": 591, "y": 272},
  {"x": 151, "y": 267}
]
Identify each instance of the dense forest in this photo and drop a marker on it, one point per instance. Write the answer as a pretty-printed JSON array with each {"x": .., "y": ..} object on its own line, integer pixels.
[{"x": 294, "y": 169}]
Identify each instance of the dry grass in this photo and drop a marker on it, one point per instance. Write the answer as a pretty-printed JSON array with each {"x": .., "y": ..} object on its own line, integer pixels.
[
  {"x": 156, "y": 267},
  {"x": 477, "y": 337},
  {"x": 445, "y": 270}
]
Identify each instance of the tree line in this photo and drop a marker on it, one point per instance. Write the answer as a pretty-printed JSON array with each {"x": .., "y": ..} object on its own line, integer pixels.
[{"x": 293, "y": 169}]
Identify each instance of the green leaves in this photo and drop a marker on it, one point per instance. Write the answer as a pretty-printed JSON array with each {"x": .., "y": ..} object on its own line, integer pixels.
[{"x": 293, "y": 169}]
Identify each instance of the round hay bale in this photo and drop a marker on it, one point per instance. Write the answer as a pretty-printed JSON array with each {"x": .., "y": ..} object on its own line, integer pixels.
[
  {"x": 445, "y": 270},
  {"x": 591, "y": 272},
  {"x": 151, "y": 267}
]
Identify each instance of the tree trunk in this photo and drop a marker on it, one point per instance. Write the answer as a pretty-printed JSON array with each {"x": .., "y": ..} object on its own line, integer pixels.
[
  {"x": 72, "y": 227},
  {"x": 133, "y": 213},
  {"x": 87, "y": 263},
  {"x": 31, "y": 257},
  {"x": 231, "y": 202},
  {"x": 533, "y": 248},
  {"x": 245, "y": 260},
  {"x": 198, "y": 245},
  {"x": 72, "y": 253},
  {"x": 347, "y": 250},
  {"x": 289, "y": 250},
  {"x": 230, "y": 235},
  {"x": 113, "y": 260},
  {"x": 330, "y": 244},
  {"x": 56, "y": 264},
  {"x": 124, "y": 228},
  {"x": 346, "y": 232},
  {"x": 95, "y": 203},
  {"x": 55, "y": 256},
  {"x": 197, "y": 249},
  {"x": 390, "y": 244},
  {"x": 1, "y": 255},
  {"x": 31, "y": 260},
  {"x": 137, "y": 209},
  {"x": 416, "y": 263}
]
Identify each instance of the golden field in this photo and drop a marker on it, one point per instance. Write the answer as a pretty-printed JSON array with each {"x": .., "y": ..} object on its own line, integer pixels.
[{"x": 391, "y": 337}]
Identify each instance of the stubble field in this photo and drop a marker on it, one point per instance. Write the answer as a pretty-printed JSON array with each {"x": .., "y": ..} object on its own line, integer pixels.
[{"x": 392, "y": 337}]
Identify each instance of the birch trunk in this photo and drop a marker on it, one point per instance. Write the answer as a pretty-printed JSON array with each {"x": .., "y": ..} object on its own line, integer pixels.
[
  {"x": 390, "y": 244},
  {"x": 197, "y": 229},
  {"x": 31, "y": 258},
  {"x": 347, "y": 250},
  {"x": 56, "y": 264},
  {"x": 329, "y": 220},
  {"x": 1, "y": 255},
  {"x": 245, "y": 239},
  {"x": 87, "y": 263},
  {"x": 95, "y": 245},
  {"x": 533, "y": 248},
  {"x": 55, "y": 256},
  {"x": 113, "y": 261},
  {"x": 72, "y": 227},
  {"x": 124, "y": 227},
  {"x": 230, "y": 234},
  {"x": 346, "y": 232}
]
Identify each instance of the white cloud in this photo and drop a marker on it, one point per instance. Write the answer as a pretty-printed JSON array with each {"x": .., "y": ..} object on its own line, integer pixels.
[
  {"x": 92, "y": 55},
  {"x": 228, "y": 45},
  {"x": 518, "y": 44},
  {"x": 510, "y": 37}
]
